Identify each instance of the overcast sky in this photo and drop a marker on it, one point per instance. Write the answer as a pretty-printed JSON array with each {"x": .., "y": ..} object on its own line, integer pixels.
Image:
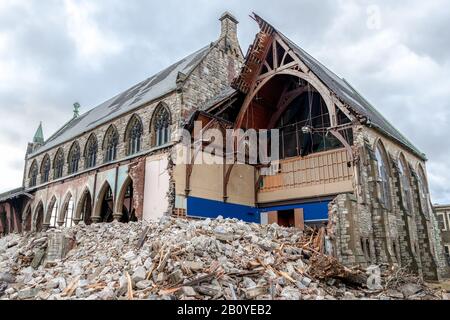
[{"x": 56, "y": 52}]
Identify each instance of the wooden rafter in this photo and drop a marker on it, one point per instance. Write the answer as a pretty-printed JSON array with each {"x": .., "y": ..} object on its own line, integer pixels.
[
  {"x": 259, "y": 70},
  {"x": 285, "y": 101}
]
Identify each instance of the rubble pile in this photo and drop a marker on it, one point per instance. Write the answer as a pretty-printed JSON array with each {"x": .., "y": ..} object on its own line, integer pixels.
[{"x": 188, "y": 259}]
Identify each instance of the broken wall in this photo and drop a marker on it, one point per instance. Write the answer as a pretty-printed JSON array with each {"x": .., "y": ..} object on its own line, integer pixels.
[{"x": 379, "y": 233}]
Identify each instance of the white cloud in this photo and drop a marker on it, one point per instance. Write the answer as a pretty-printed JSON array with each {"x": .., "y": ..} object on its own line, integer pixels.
[{"x": 92, "y": 43}]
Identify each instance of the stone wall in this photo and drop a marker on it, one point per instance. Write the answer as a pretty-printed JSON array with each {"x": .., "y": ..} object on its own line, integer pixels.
[
  {"x": 366, "y": 230},
  {"x": 145, "y": 113}
]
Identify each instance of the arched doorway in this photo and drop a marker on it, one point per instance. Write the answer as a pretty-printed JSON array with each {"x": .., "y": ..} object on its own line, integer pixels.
[
  {"x": 84, "y": 212},
  {"x": 39, "y": 217},
  {"x": 67, "y": 212},
  {"x": 125, "y": 203},
  {"x": 105, "y": 204}
]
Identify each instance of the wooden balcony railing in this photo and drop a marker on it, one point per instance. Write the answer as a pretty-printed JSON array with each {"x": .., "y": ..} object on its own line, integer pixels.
[{"x": 315, "y": 169}]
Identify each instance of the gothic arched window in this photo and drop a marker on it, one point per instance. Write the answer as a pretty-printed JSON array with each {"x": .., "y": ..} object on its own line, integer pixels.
[
  {"x": 161, "y": 126},
  {"x": 110, "y": 143},
  {"x": 45, "y": 169},
  {"x": 134, "y": 135},
  {"x": 58, "y": 164},
  {"x": 90, "y": 152},
  {"x": 405, "y": 183},
  {"x": 383, "y": 176},
  {"x": 423, "y": 192},
  {"x": 33, "y": 174},
  {"x": 74, "y": 158}
]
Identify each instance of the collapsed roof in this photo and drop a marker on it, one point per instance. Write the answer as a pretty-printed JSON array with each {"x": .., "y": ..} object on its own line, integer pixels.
[{"x": 343, "y": 90}]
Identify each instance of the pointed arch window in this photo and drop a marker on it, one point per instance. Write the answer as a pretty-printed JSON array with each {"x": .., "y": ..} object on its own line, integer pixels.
[
  {"x": 405, "y": 184},
  {"x": 110, "y": 144},
  {"x": 58, "y": 164},
  {"x": 33, "y": 174},
  {"x": 423, "y": 192},
  {"x": 161, "y": 126},
  {"x": 134, "y": 135},
  {"x": 90, "y": 157},
  {"x": 74, "y": 158},
  {"x": 45, "y": 169},
  {"x": 383, "y": 176}
]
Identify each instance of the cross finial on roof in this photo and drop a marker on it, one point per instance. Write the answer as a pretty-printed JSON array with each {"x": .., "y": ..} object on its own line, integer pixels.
[{"x": 76, "y": 110}]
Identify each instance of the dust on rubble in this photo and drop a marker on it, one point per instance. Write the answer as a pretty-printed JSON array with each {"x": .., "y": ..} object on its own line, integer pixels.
[{"x": 189, "y": 259}]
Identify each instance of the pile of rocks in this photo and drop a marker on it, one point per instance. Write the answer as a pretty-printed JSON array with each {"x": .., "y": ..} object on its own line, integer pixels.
[{"x": 178, "y": 259}]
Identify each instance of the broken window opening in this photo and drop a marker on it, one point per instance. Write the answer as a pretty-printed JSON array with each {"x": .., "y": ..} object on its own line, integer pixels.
[
  {"x": 304, "y": 127},
  {"x": 39, "y": 217},
  {"x": 126, "y": 203},
  {"x": 68, "y": 222},
  {"x": 369, "y": 254},
  {"x": 423, "y": 191},
  {"x": 54, "y": 216},
  {"x": 405, "y": 186},
  {"x": 28, "y": 221}
]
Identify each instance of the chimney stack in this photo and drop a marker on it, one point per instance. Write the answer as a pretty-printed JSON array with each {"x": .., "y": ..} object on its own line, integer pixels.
[{"x": 229, "y": 27}]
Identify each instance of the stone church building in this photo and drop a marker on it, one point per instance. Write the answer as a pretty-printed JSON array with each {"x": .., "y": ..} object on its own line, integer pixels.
[{"x": 341, "y": 162}]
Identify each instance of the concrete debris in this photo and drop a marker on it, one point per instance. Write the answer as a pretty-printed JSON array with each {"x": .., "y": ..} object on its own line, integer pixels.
[{"x": 189, "y": 259}]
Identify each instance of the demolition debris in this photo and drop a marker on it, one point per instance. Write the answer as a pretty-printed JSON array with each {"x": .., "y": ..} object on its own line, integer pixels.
[{"x": 189, "y": 260}]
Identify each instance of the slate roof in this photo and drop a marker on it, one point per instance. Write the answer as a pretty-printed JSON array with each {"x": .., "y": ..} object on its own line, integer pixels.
[
  {"x": 148, "y": 90},
  {"x": 224, "y": 94}
]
